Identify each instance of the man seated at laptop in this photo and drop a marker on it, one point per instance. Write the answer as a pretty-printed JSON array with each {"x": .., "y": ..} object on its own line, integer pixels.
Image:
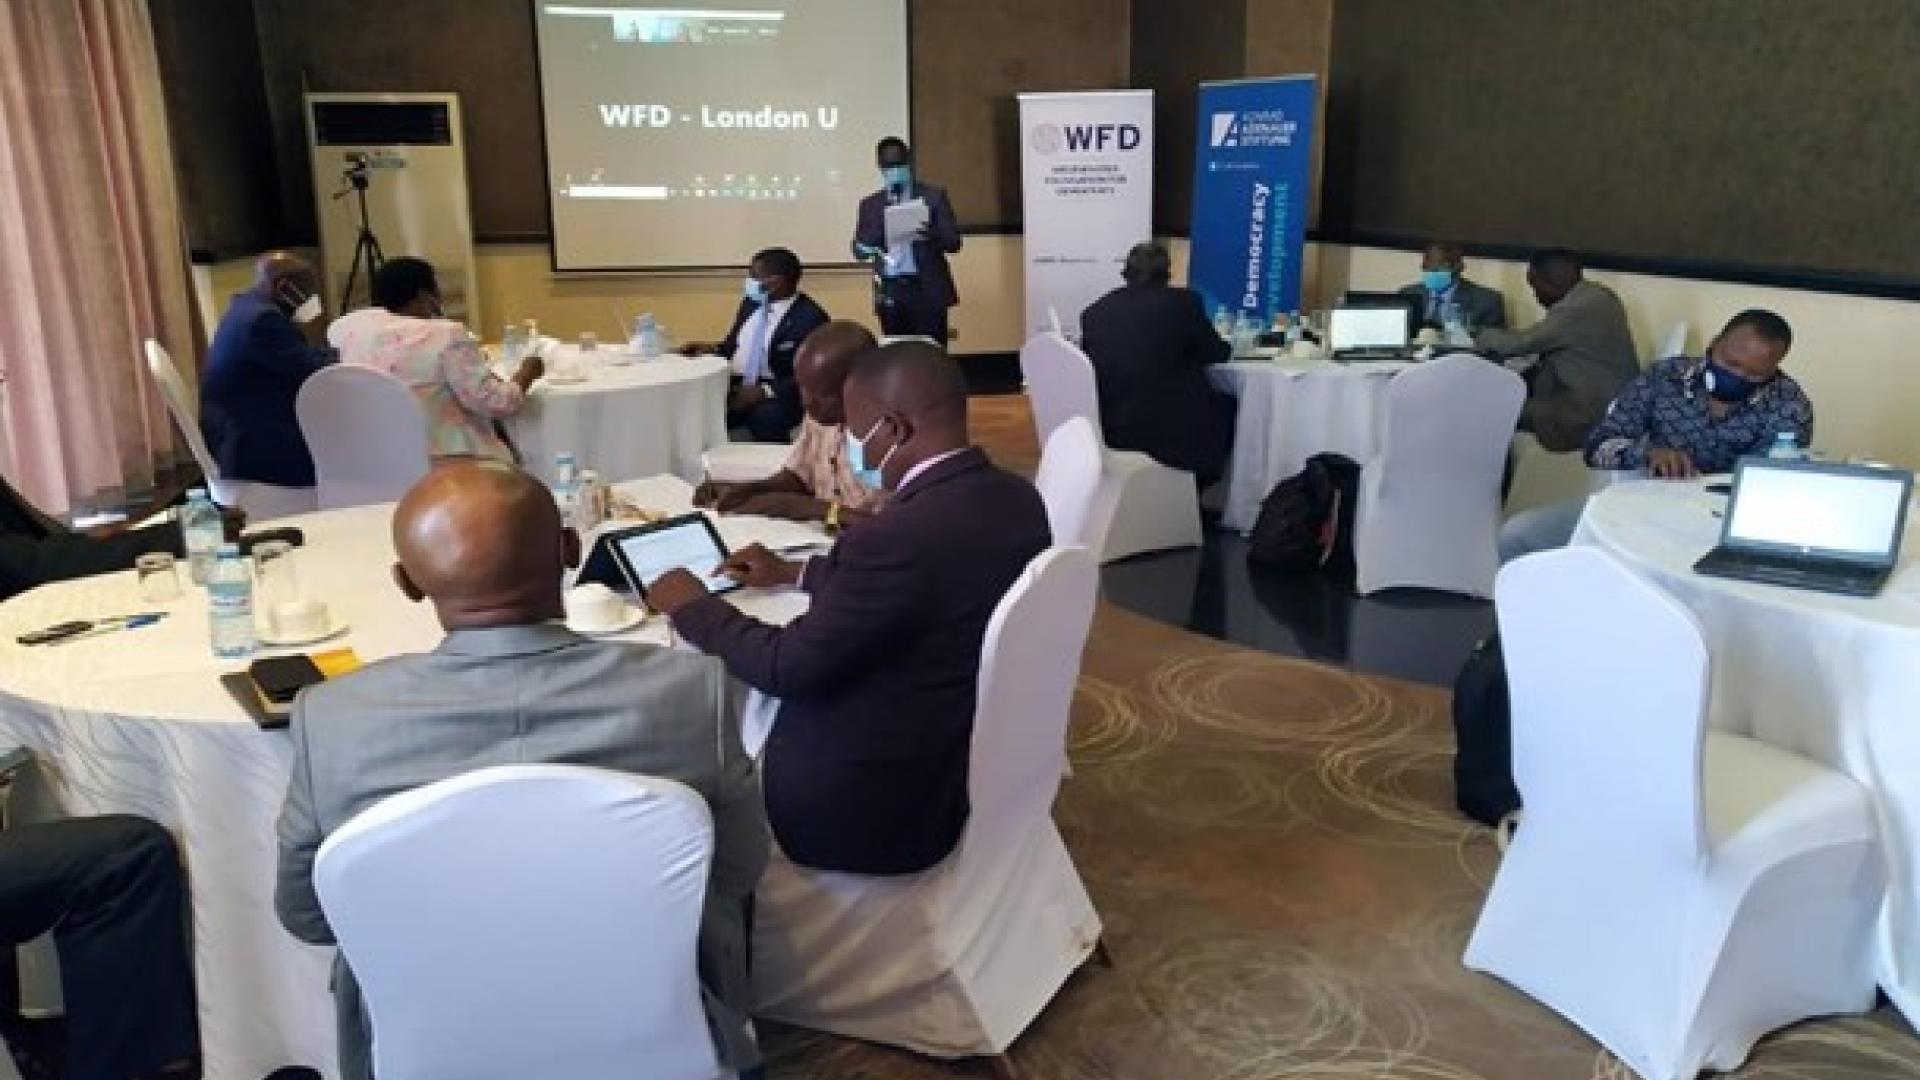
[
  {"x": 774, "y": 317},
  {"x": 1687, "y": 416},
  {"x": 1443, "y": 284},
  {"x": 510, "y": 684},
  {"x": 865, "y": 770},
  {"x": 815, "y": 484},
  {"x": 1584, "y": 351}
]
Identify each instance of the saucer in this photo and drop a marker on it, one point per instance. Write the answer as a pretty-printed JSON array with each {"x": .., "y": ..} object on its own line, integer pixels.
[
  {"x": 633, "y": 618},
  {"x": 334, "y": 628}
]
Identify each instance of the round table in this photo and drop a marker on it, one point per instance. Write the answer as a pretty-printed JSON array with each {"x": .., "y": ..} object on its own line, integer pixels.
[
  {"x": 629, "y": 418},
  {"x": 1834, "y": 678},
  {"x": 137, "y": 722},
  {"x": 1291, "y": 410}
]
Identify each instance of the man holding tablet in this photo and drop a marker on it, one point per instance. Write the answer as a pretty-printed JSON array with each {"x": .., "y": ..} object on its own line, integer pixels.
[{"x": 865, "y": 770}]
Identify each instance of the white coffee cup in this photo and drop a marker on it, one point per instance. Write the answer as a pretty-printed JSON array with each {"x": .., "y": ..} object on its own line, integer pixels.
[
  {"x": 592, "y": 608},
  {"x": 295, "y": 620}
]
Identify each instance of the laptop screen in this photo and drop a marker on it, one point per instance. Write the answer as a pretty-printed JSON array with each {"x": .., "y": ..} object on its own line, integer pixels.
[
  {"x": 1367, "y": 328},
  {"x": 1853, "y": 513}
]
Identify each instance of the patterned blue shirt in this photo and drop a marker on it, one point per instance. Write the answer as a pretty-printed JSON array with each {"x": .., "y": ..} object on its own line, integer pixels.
[{"x": 1666, "y": 409}]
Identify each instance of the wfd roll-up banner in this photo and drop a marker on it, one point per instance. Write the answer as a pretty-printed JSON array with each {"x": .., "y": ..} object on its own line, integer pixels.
[
  {"x": 1087, "y": 160},
  {"x": 1250, "y": 189}
]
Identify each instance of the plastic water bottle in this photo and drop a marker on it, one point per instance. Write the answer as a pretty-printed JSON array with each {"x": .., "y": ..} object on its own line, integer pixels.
[
  {"x": 1453, "y": 326},
  {"x": 230, "y": 604},
  {"x": 1786, "y": 447},
  {"x": 566, "y": 484},
  {"x": 201, "y": 534},
  {"x": 512, "y": 346},
  {"x": 1223, "y": 323},
  {"x": 646, "y": 338}
]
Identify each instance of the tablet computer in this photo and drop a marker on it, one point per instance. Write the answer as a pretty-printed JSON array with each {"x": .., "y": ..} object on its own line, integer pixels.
[{"x": 688, "y": 542}]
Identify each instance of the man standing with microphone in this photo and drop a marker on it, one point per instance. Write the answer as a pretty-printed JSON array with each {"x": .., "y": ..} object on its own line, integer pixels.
[{"x": 916, "y": 285}]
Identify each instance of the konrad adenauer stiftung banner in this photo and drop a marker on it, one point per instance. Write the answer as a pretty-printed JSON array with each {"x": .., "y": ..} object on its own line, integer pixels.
[
  {"x": 1087, "y": 160},
  {"x": 1250, "y": 187}
]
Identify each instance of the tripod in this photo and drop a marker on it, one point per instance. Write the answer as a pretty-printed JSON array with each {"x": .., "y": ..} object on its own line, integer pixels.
[{"x": 366, "y": 246}]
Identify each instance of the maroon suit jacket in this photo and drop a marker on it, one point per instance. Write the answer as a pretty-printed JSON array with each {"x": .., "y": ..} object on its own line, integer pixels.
[{"x": 866, "y": 768}]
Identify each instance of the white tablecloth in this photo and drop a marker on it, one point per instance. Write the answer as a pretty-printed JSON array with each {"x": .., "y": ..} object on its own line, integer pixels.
[
  {"x": 1834, "y": 678},
  {"x": 638, "y": 418},
  {"x": 1291, "y": 411},
  {"x": 136, "y": 722}
]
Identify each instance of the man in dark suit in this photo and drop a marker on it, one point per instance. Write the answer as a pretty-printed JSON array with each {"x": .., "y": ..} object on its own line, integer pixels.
[
  {"x": 256, "y": 365},
  {"x": 112, "y": 892},
  {"x": 916, "y": 284},
  {"x": 865, "y": 770},
  {"x": 774, "y": 317},
  {"x": 36, "y": 550},
  {"x": 1443, "y": 282},
  {"x": 1151, "y": 345}
]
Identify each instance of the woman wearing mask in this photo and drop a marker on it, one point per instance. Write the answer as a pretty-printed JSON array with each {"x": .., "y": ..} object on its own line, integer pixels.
[{"x": 406, "y": 335}]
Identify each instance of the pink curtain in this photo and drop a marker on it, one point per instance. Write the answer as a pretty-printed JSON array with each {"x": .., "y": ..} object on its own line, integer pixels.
[{"x": 92, "y": 256}]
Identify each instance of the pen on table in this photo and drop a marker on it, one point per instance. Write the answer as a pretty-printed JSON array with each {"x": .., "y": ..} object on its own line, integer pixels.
[{"x": 117, "y": 622}]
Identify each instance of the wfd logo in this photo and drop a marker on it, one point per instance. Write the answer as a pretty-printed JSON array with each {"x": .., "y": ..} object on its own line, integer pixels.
[
  {"x": 1052, "y": 138},
  {"x": 1226, "y": 129}
]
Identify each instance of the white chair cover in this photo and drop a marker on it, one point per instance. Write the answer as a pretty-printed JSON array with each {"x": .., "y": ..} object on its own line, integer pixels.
[
  {"x": 1675, "y": 893},
  {"x": 1430, "y": 498},
  {"x": 262, "y": 502},
  {"x": 366, "y": 433},
  {"x": 1069, "y": 483},
  {"x": 956, "y": 960},
  {"x": 743, "y": 462},
  {"x": 1674, "y": 344},
  {"x": 1148, "y": 506},
  {"x": 527, "y": 920}
]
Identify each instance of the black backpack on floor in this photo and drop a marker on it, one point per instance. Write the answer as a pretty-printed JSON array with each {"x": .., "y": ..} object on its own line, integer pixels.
[
  {"x": 1306, "y": 521},
  {"x": 1483, "y": 735}
]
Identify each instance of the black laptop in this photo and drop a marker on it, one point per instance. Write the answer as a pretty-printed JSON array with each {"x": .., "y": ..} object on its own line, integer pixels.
[
  {"x": 1807, "y": 525},
  {"x": 1358, "y": 334}
]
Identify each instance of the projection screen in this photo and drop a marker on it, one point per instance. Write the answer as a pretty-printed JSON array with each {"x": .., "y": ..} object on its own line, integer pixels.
[{"x": 689, "y": 137}]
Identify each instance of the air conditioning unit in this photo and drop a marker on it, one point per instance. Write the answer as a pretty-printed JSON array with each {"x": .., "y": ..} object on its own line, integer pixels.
[{"x": 399, "y": 159}]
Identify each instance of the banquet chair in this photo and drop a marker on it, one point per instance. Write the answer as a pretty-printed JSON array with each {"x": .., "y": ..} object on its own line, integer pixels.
[
  {"x": 262, "y": 502},
  {"x": 1674, "y": 344},
  {"x": 957, "y": 960},
  {"x": 1677, "y": 892},
  {"x": 743, "y": 462},
  {"x": 367, "y": 435},
  {"x": 1429, "y": 504},
  {"x": 1147, "y": 506},
  {"x": 1069, "y": 483},
  {"x": 588, "y": 945}
]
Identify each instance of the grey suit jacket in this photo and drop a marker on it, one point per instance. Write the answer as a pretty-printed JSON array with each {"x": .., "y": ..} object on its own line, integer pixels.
[
  {"x": 1586, "y": 356},
  {"x": 528, "y": 694},
  {"x": 1483, "y": 308}
]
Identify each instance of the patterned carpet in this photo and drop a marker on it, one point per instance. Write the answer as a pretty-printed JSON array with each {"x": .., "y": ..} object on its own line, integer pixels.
[{"x": 1286, "y": 889}]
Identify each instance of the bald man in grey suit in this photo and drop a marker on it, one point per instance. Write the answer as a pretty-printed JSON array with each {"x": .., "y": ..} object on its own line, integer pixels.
[{"x": 509, "y": 685}]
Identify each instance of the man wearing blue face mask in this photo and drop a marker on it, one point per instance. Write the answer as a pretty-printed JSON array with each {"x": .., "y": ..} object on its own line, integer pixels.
[
  {"x": 915, "y": 286},
  {"x": 1685, "y": 416},
  {"x": 1443, "y": 285},
  {"x": 774, "y": 317},
  {"x": 865, "y": 770}
]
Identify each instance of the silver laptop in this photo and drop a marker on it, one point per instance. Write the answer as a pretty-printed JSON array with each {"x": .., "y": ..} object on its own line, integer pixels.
[
  {"x": 1806, "y": 525},
  {"x": 1367, "y": 333}
]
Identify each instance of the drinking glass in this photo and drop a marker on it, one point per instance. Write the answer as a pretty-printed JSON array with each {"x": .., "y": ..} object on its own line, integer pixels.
[
  {"x": 276, "y": 579},
  {"x": 158, "y": 578}
]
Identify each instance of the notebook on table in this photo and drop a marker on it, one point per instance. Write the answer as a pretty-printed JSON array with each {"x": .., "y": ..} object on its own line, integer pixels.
[{"x": 1810, "y": 525}]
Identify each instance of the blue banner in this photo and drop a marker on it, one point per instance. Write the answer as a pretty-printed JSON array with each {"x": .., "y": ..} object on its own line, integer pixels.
[{"x": 1251, "y": 182}]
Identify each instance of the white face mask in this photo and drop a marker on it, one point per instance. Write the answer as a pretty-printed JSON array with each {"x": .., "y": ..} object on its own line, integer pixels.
[{"x": 308, "y": 310}]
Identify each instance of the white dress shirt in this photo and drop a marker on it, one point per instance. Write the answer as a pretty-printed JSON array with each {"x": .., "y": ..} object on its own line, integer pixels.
[{"x": 757, "y": 333}]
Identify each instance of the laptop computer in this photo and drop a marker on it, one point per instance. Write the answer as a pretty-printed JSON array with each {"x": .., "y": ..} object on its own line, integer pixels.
[
  {"x": 1809, "y": 525},
  {"x": 1359, "y": 334}
]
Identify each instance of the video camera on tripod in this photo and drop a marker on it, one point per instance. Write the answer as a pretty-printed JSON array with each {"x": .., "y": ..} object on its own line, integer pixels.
[{"x": 367, "y": 258}]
